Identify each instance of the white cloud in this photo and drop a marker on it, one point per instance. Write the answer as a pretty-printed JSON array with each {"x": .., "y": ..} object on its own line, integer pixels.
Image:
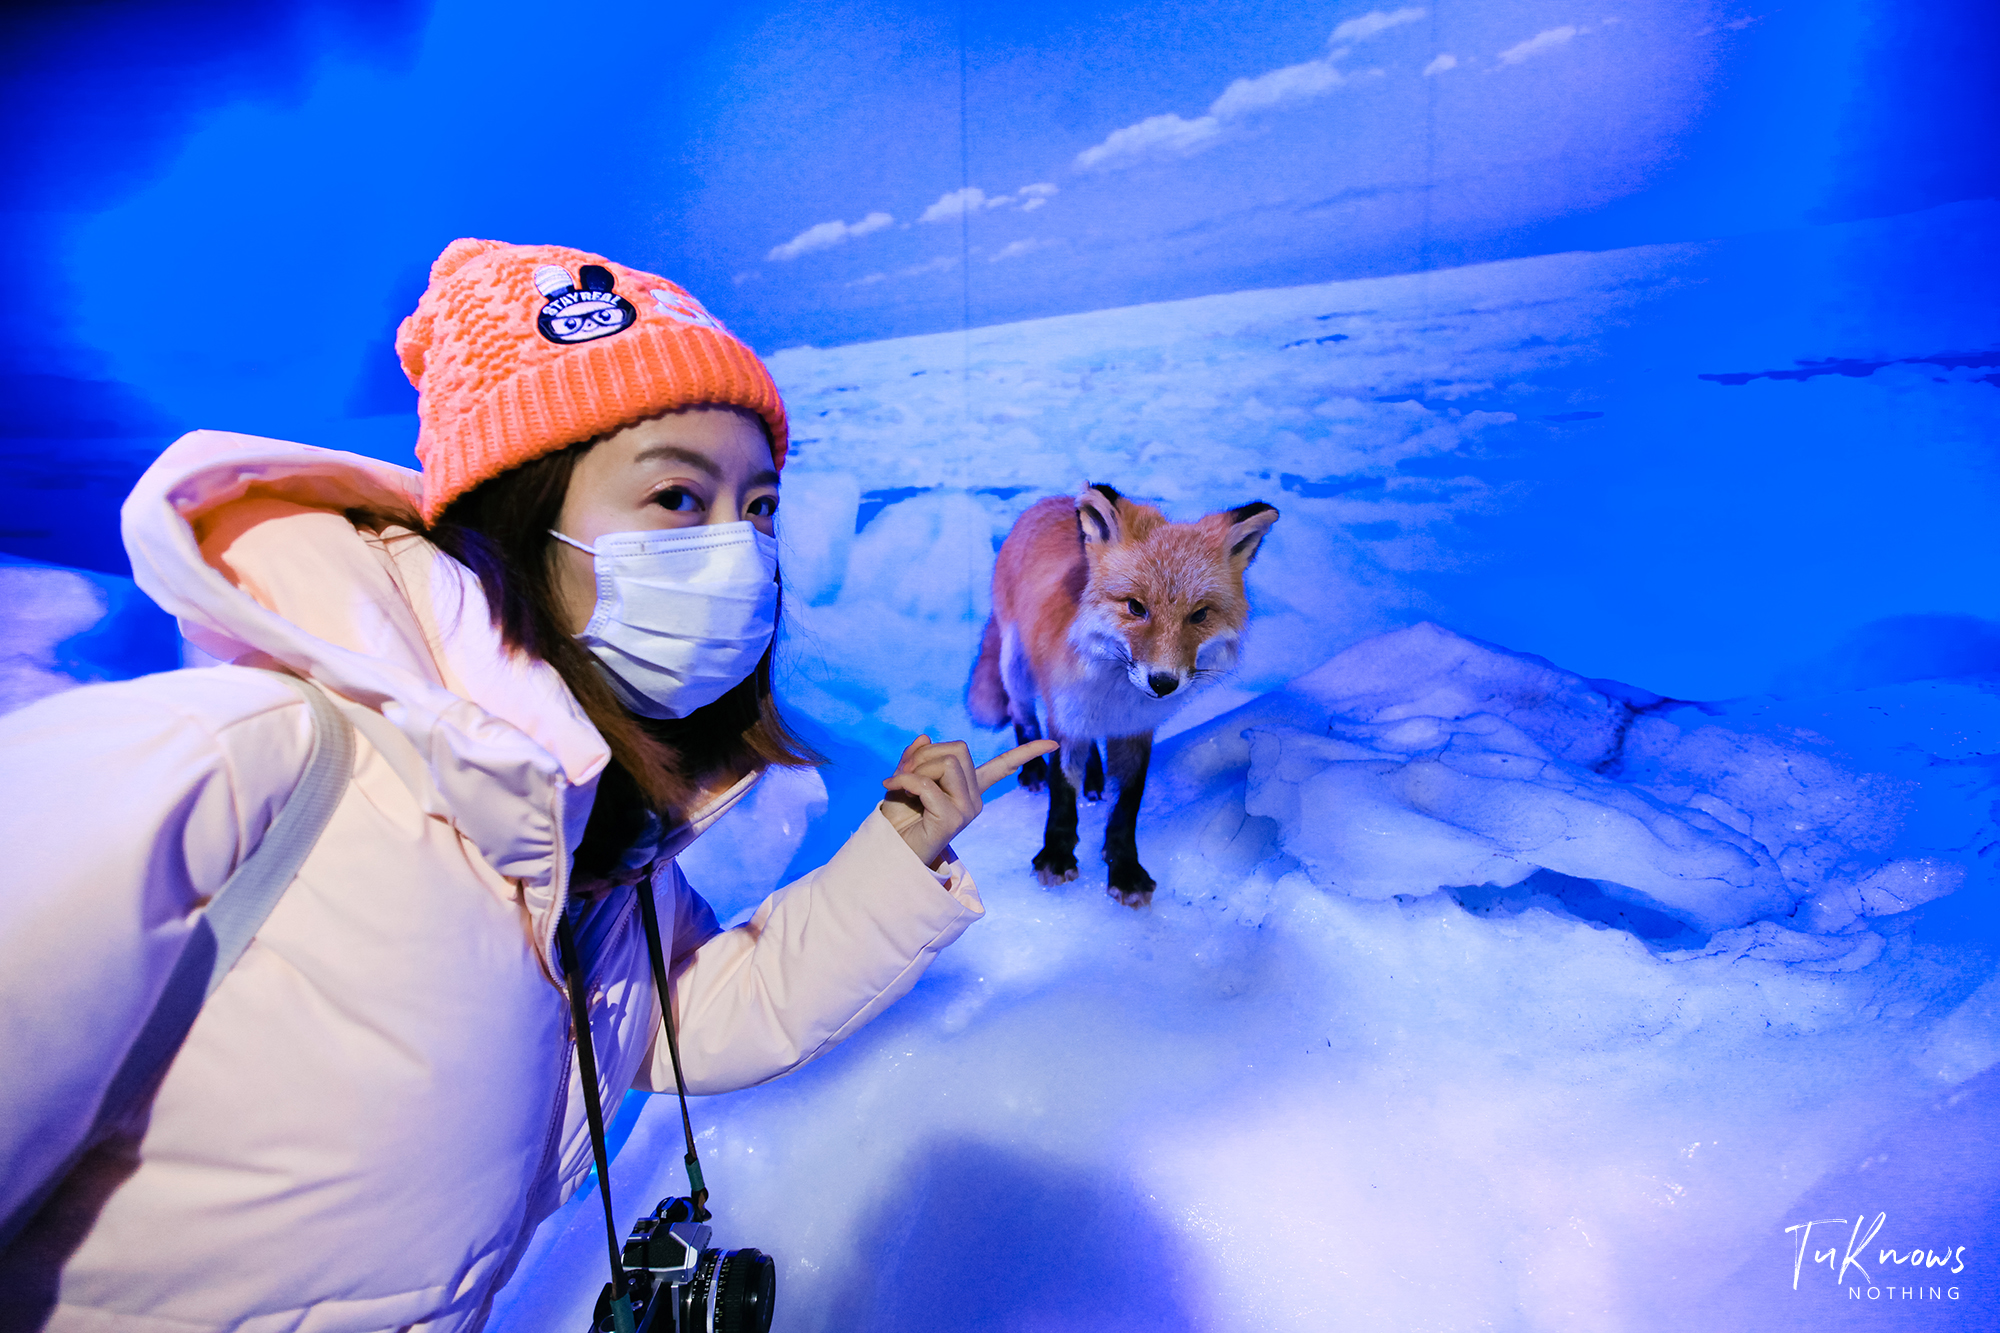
[
  {"x": 750, "y": 276},
  {"x": 1028, "y": 198},
  {"x": 1294, "y": 83},
  {"x": 1170, "y": 135},
  {"x": 938, "y": 265},
  {"x": 828, "y": 234},
  {"x": 1015, "y": 249},
  {"x": 1441, "y": 64},
  {"x": 1535, "y": 45},
  {"x": 1166, "y": 135},
  {"x": 1033, "y": 197},
  {"x": 1372, "y": 22},
  {"x": 955, "y": 204}
]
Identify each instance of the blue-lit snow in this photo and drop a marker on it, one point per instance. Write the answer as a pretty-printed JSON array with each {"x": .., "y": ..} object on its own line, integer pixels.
[
  {"x": 1476, "y": 993},
  {"x": 1341, "y": 1075}
]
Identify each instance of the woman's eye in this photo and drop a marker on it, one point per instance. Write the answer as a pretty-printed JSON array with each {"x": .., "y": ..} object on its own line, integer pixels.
[
  {"x": 1198, "y": 616},
  {"x": 1135, "y": 607},
  {"x": 764, "y": 506},
  {"x": 677, "y": 500}
]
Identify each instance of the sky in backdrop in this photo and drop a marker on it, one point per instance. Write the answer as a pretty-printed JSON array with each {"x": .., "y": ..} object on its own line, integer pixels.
[{"x": 216, "y": 214}]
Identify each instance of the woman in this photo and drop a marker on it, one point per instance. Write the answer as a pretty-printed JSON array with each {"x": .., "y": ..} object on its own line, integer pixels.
[{"x": 553, "y": 647}]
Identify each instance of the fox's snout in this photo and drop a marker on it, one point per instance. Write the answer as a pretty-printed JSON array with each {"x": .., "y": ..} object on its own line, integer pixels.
[
  {"x": 1152, "y": 681},
  {"x": 1164, "y": 664}
]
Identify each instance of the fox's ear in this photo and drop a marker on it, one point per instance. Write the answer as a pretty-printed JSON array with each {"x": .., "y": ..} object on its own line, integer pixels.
[
  {"x": 1247, "y": 526},
  {"x": 1097, "y": 516}
]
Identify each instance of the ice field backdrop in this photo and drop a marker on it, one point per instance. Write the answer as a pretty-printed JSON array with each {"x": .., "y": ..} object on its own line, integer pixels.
[{"x": 1591, "y": 872}]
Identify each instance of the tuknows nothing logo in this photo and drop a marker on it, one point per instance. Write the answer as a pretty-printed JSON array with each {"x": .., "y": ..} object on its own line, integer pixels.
[
  {"x": 574, "y": 314},
  {"x": 1888, "y": 1272}
]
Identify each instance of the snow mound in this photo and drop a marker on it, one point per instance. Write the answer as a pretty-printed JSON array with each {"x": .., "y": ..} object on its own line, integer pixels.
[
  {"x": 60, "y": 628},
  {"x": 45, "y": 607},
  {"x": 1421, "y": 760}
]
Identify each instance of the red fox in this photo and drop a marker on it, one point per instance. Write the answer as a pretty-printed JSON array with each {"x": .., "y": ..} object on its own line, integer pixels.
[{"x": 1110, "y": 616}]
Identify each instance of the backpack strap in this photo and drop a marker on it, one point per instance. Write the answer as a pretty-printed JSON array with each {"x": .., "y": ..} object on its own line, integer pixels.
[
  {"x": 225, "y": 928},
  {"x": 248, "y": 896},
  {"x": 222, "y": 932}
]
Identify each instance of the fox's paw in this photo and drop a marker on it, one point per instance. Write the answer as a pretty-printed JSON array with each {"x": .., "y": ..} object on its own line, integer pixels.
[
  {"x": 1034, "y": 775},
  {"x": 1093, "y": 794},
  {"x": 1130, "y": 884},
  {"x": 1054, "y": 867}
]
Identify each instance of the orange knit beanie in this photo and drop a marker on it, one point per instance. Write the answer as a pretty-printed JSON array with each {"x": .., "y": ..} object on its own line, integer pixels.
[{"x": 520, "y": 350}]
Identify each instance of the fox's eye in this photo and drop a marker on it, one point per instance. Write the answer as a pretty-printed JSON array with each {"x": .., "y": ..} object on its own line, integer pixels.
[
  {"x": 1198, "y": 616},
  {"x": 1133, "y": 605}
]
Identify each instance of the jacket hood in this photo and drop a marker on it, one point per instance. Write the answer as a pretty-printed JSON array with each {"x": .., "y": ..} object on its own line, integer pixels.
[{"x": 246, "y": 542}]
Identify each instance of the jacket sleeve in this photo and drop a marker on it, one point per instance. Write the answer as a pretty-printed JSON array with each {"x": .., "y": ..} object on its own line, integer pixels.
[
  {"x": 820, "y": 957},
  {"x": 122, "y": 809}
]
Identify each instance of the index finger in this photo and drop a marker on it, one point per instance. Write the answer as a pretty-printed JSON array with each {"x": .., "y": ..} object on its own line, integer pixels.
[{"x": 1001, "y": 766}]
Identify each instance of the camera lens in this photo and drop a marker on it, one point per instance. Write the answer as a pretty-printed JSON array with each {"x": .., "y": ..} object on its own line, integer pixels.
[
  {"x": 746, "y": 1287},
  {"x": 740, "y": 1285}
]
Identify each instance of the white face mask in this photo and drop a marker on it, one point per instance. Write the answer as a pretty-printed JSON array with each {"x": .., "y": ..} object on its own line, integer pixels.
[{"x": 682, "y": 615}]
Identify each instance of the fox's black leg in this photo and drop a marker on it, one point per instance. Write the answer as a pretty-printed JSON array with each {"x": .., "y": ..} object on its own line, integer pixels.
[
  {"x": 1129, "y": 881},
  {"x": 1034, "y": 774},
  {"x": 1056, "y": 862},
  {"x": 1093, "y": 776}
]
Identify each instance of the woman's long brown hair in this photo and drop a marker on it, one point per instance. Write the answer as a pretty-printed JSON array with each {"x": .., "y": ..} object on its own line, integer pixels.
[{"x": 500, "y": 531}]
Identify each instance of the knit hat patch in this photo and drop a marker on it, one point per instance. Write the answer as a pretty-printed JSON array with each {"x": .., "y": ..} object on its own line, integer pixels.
[{"x": 575, "y": 314}]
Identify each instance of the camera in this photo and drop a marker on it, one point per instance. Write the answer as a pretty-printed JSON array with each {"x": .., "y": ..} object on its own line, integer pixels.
[{"x": 677, "y": 1284}]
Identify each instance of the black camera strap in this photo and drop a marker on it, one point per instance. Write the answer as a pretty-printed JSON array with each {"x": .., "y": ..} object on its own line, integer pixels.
[
  {"x": 697, "y": 1188},
  {"x": 586, "y": 1059},
  {"x": 579, "y": 1009}
]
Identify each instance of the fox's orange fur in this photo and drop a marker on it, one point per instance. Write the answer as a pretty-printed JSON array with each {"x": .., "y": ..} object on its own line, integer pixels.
[{"x": 1110, "y": 616}]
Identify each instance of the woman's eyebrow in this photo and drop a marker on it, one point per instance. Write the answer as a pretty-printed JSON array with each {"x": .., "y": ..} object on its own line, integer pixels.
[
  {"x": 699, "y": 462},
  {"x": 765, "y": 478}
]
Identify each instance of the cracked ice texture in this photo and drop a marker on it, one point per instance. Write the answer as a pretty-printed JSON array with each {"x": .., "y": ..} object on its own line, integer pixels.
[{"x": 1420, "y": 759}]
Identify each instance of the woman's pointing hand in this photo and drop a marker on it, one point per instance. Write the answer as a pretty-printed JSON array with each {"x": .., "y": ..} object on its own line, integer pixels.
[{"x": 935, "y": 791}]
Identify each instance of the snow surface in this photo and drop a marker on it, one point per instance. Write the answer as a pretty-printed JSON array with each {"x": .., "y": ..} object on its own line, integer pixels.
[
  {"x": 1477, "y": 994},
  {"x": 1474, "y": 995}
]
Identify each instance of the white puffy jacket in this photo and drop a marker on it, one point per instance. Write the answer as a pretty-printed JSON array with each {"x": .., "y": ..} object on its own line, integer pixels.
[{"x": 379, "y": 1104}]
